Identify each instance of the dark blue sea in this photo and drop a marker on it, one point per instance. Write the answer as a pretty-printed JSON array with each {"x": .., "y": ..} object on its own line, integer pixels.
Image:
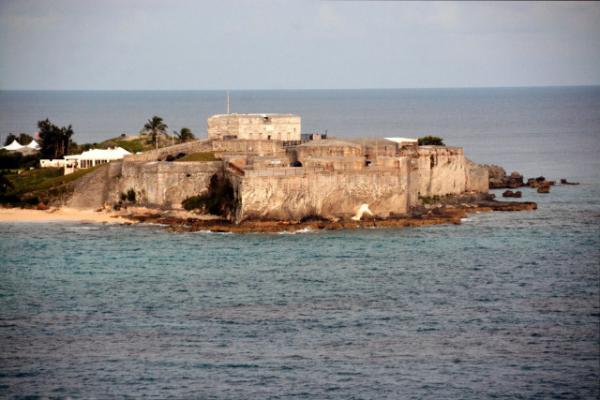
[{"x": 505, "y": 305}]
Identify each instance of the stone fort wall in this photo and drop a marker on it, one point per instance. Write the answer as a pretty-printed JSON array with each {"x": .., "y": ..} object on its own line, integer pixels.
[
  {"x": 255, "y": 126},
  {"x": 320, "y": 193}
]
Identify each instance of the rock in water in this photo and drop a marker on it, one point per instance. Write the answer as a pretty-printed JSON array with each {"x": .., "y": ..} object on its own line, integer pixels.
[
  {"x": 497, "y": 176},
  {"x": 544, "y": 187},
  {"x": 563, "y": 181},
  {"x": 510, "y": 193},
  {"x": 515, "y": 180},
  {"x": 498, "y": 179}
]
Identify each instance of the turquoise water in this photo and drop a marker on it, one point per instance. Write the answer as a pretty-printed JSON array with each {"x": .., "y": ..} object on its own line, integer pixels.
[
  {"x": 506, "y": 305},
  {"x": 503, "y": 306}
]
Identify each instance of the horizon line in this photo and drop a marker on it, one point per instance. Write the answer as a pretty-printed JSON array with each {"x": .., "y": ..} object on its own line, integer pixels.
[{"x": 306, "y": 89}]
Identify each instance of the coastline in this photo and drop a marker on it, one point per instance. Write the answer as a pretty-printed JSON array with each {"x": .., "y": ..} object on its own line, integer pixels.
[
  {"x": 62, "y": 214},
  {"x": 181, "y": 221},
  {"x": 437, "y": 215}
]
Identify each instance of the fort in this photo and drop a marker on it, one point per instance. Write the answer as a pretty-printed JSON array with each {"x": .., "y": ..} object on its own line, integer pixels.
[{"x": 272, "y": 174}]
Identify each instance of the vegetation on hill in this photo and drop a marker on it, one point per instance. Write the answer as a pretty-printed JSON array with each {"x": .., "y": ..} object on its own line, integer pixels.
[
  {"x": 27, "y": 187},
  {"x": 155, "y": 127},
  {"x": 184, "y": 135},
  {"x": 431, "y": 141},
  {"x": 16, "y": 160},
  {"x": 55, "y": 140}
]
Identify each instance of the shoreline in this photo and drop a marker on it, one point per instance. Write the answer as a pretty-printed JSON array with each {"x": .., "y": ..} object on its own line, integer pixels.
[
  {"x": 178, "y": 221},
  {"x": 62, "y": 214},
  {"x": 437, "y": 215}
]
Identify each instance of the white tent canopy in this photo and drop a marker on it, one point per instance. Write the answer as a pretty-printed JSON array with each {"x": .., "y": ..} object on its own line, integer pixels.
[
  {"x": 116, "y": 153},
  {"x": 33, "y": 145},
  {"x": 93, "y": 157},
  {"x": 13, "y": 146}
]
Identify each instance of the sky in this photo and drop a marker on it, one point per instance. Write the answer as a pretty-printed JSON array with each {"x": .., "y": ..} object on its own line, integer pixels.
[{"x": 202, "y": 45}]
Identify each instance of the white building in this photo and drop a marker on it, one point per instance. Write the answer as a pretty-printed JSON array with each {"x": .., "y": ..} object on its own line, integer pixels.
[
  {"x": 402, "y": 141},
  {"x": 87, "y": 159}
]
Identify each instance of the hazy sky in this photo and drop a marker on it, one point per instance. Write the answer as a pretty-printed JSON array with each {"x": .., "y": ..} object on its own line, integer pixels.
[{"x": 178, "y": 44}]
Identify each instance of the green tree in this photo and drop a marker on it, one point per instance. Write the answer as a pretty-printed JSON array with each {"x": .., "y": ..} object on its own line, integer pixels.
[
  {"x": 9, "y": 139},
  {"x": 5, "y": 184},
  {"x": 55, "y": 140},
  {"x": 431, "y": 141},
  {"x": 24, "y": 139},
  {"x": 184, "y": 135},
  {"x": 154, "y": 127}
]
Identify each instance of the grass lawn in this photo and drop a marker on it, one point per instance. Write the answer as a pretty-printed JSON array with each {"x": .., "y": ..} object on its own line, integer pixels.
[
  {"x": 203, "y": 156},
  {"x": 43, "y": 179}
]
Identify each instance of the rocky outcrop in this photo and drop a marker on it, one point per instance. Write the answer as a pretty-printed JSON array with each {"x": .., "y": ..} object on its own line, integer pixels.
[
  {"x": 498, "y": 179},
  {"x": 538, "y": 182},
  {"x": 544, "y": 187},
  {"x": 453, "y": 213},
  {"x": 563, "y": 181},
  {"x": 510, "y": 193}
]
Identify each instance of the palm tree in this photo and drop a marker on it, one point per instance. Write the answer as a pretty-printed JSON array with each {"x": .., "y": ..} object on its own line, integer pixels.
[
  {"x": 155, "y": 126},
  {"x": 184, "y": 135}
]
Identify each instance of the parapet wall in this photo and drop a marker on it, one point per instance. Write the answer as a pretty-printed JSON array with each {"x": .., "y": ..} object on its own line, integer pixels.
[{"x": 195, "y": 146}]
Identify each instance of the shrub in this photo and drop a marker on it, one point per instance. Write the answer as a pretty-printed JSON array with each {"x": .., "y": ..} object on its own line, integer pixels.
[
  {"x": 15, "y": 160},
  {"x": 195, "y": 202},
  {"x": 131, "y": 196},
  {"x": 431, "y": 141},
  {"x": 218, "y": 201}
]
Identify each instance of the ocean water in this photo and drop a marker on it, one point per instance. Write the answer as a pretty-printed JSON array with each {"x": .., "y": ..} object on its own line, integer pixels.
[{"x": 505, "y": 305}]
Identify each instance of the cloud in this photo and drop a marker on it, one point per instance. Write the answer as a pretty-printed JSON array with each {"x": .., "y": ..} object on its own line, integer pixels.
[{"x": 184, "y": 44}]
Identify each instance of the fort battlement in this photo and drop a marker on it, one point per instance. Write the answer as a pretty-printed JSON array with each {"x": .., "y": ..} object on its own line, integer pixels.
[{"x": 291, "y": 180}]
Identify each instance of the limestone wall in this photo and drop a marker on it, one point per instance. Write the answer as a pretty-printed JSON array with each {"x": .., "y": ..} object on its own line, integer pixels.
[
  {"x": 441, "y": 171},
  {"x": 324, "y": 194},
  {"x": 248, "y": 147},
  {"x": 328, "y": 148},
  {"x": 96, "y": 188},
  {"x": 477, "y": 177},
  {"x": 255, "y": 126},
  {"x": 167, "y": 184}
]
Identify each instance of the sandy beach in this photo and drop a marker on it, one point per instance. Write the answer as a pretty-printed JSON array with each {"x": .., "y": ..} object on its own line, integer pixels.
[{"x": 59, "y": 214}]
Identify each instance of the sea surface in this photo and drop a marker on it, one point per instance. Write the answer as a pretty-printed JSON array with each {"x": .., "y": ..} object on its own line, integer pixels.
[{"x": 505, "y": 305}]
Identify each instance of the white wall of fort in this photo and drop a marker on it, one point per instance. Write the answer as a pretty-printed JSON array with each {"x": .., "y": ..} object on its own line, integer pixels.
[
  {"x": 323, "y": 193},
  {"x": 255, "y": 126}
]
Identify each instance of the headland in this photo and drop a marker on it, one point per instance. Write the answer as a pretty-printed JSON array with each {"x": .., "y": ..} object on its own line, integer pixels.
[{"x": 257, "y": 172}]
